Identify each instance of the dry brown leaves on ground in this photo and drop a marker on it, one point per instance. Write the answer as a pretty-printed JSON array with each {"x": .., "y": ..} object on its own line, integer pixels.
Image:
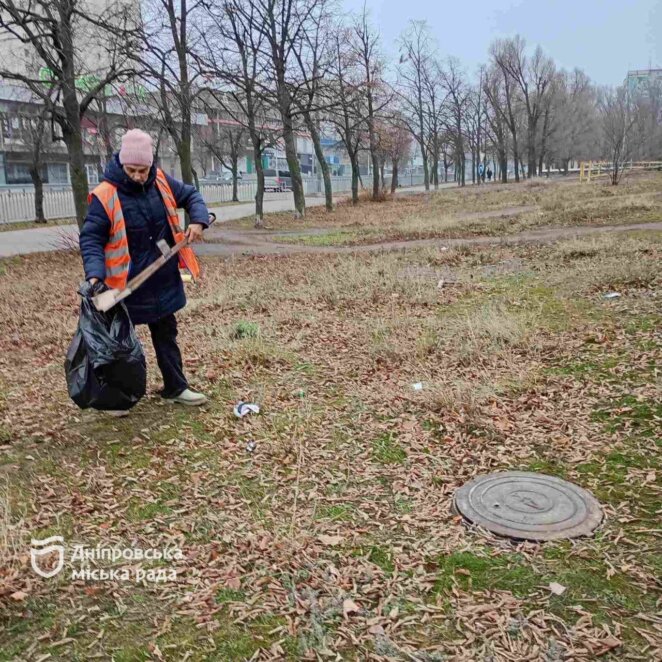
[{"x": 334, "y": 538}]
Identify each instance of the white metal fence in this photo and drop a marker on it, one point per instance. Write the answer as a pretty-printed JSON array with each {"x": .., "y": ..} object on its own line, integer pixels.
[{"x": 16, "y": 206}]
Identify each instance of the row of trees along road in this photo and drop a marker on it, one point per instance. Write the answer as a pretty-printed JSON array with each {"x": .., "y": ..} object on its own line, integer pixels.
[{"x": 267, "y": 71}]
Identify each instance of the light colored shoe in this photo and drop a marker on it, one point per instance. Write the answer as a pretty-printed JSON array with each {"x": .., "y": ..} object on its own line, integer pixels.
[
  {"x": 117, "y": 413},
  {"x": 188, "y": 397}
]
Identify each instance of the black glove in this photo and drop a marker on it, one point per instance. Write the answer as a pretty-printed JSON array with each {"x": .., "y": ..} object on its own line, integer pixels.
[{"x": 89, "y": 290}]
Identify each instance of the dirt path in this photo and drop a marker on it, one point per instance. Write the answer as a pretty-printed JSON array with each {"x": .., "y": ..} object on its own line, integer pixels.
[{"x": 252, "y": 243}]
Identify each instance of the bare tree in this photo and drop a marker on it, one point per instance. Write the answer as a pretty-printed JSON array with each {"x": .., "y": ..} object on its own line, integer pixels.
[
  {"x": 34, "y": 137},
  {"x": 415, "y": 73},
  {"x": 457, "y": 98},
  {"x": 281, "y": 23},
  {"x": 475, "y": 119},
  {"x": 394, "y": 141},
  {"x": 64, "y": 39},
  {"x": 313, "y": 52},
  {"x": 509, "y": 103},
  {"x": 533, "y": 75},
  {"x": 435, "y": 118},
  {"x": 233, "y": 58},
  {"x": 496, "y": 118},
  {"x": 366, "y": 43},
  {"x": 224, "y": 139},
  {"x": 348, "y": 116},
  {"x": 618, "y": 121},
  {"x": 170, "y": 44}
]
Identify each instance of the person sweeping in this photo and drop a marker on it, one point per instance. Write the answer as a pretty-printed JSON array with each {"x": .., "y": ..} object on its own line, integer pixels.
[{"x": 129, "y": 212}]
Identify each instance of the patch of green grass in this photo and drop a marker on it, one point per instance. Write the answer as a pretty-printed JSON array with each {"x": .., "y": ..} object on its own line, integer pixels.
[
  {"x": 335, "y": 238},
  {"x": 551, "y": 467},
  {"x": 125, "y": 455},
  {"x": 305, "y": 367},
  {"x": 386, "y": 450},
  {"x": 403, "y": 506},
  {"x": 336, "y": 512},
  {"x": 641, "y": 417},
  {"x": 5, "y": 434},
  {"x": 588, "y": 580},
  {"x": 230, "y": 595},
  {"x": 643, "y": 324},
  {"x": 611, "y": 484},
  {"x": 235, "y": 642},
  {"x": 138, "y": 511},
  {"x": 132, "y": 653},
  {"x": 32, "y": 225},
  {"x": 243, "y": 329},
  {"x": 16, "y": 630},
  {"x": 482, "y": 572},
  {"x": 381, "y": 556},
  {"x": 586, "y": 369}
]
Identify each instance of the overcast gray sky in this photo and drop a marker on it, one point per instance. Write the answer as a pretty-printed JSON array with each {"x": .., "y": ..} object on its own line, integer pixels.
[{"x": 605, "y": 38}]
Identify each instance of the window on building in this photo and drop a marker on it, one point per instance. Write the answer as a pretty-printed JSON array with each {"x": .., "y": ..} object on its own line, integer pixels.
[
  {"x": 18, "y": 173},
  {"x": 58, "y": 173},
  {"x": 92, "y": 173},
  {"x": 5, "y": 126}
]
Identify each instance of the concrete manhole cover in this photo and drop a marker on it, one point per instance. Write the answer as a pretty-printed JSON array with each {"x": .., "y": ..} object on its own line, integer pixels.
[{"x": 528, "y": 506}]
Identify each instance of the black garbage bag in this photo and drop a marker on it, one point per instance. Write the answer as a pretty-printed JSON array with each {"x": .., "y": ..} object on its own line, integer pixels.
[{"x": 105, "y": 364}]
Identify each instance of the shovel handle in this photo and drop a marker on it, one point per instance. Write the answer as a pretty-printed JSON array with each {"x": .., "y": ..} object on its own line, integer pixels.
[{"x": 106, "y": 300}]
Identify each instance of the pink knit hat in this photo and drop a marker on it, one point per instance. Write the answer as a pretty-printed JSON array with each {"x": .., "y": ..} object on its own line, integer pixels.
[{"x": 136, "y": 148}]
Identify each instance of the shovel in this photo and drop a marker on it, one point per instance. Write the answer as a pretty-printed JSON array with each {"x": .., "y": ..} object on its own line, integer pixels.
[{"x": 106, "y": 300}]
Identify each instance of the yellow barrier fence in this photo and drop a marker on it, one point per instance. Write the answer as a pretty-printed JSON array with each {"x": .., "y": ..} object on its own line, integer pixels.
[{"x": 589, "y": 170}]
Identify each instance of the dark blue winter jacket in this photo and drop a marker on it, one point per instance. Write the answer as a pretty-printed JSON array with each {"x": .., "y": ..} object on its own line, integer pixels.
[{"x": 146, "y": 222}]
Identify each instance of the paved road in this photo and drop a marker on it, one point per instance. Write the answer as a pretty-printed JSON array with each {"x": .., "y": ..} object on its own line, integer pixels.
[{"x": 37, "y": 240}]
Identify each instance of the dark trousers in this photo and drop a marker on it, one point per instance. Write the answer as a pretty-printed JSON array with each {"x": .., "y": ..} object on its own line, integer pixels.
[{"x": 168, "y": 356}]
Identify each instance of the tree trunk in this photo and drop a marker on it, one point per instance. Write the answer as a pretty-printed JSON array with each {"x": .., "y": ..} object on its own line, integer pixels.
[
  {"x": 503, "y": 165},
  {"x": 426, "y": 169},
  {"x": 235, "y": 171},
  {"x": 79, "y": 185},
  {"x": 394, "y": 176},
  {"x": 355, "y": 179},
  {"x": 531, "y": 168},
  {"x": 285, "y": 108},
  {"x": 259, "y": 193},
  {"x": 259, "y": 170},
  {"x": 375, "y": 174},
  {"x": 35, "y": 175},
  {"x": 104, "y": 128},
  {"x": 294, "y": 168},
  {"x": 324, "y": 166},
  {"x": 185, "y": 160}
]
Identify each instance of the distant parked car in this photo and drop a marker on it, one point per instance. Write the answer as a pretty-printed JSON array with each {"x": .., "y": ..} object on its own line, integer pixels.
[
  {"x": 227, "y": 177},
  {"x": 218, "y": 178},
  {"x": 273, "y": 181}
]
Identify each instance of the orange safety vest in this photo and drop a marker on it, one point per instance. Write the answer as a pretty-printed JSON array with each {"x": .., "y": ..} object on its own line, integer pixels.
[{"x": 117, "y": 248}]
